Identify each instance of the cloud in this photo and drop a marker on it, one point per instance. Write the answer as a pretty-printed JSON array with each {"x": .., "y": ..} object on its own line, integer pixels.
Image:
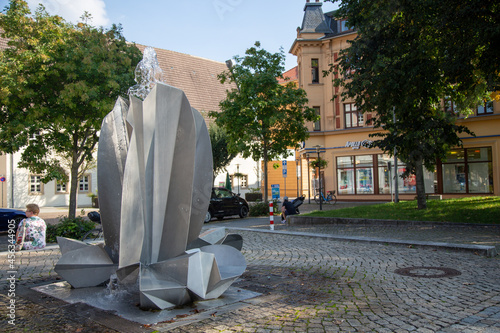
[{"x": 72, "y": 10}]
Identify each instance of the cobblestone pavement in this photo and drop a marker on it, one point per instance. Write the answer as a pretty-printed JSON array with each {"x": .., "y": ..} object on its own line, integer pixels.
[{"x": 307, "y": 285}]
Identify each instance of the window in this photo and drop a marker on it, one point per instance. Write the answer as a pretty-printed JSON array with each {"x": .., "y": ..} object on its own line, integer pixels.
[
  {"x": 317, "y": 124},
  {"x": 468, "y": 171},
  {"x": 35, "y": 184},
  {"x": 343, "y": 26},
  {"x": 486, "y": 108},
  {"x": 84, "y": 184},
  {"x": 450, "y": 106},
  {"x": 353, "y": 118},
  {"x": 355, "y": 174},
  {"x": 315, "y": 70},
  {"x": 61, "y": 187}
]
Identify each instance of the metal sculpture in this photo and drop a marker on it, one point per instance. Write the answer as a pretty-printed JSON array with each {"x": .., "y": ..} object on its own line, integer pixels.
[{"x": 155, "y": 181}]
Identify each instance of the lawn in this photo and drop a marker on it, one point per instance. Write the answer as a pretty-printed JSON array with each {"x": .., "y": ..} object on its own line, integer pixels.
[{"x": 478, "y": 210}]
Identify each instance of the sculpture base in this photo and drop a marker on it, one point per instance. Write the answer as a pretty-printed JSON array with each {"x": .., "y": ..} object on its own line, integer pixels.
[{"x": 124, "y": 302}]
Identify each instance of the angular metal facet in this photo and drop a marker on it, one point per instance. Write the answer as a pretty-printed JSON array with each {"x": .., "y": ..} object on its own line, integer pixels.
[{"x": 155, "y": 182}]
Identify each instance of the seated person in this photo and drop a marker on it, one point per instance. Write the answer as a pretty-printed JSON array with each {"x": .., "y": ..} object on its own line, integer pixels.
[
  {"x": 31, "y": 231},
  {"x": 287, "y": 209}
]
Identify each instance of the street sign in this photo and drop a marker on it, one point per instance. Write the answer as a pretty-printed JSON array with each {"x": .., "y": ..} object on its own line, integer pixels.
[
  {"x": 284, "y": 168},
  {"x": 2, "y": 179},
  {"x": 275, "y": 191}
]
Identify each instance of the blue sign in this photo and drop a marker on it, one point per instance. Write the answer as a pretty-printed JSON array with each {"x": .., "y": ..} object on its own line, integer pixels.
[
  {"x": 2, "y": 179},
  {"x": 275, "y": 191},
  {"x": 284, "y": 168}
]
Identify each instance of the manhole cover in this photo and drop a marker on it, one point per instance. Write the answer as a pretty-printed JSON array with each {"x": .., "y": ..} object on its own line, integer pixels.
[{"x": 428, "y": 272}]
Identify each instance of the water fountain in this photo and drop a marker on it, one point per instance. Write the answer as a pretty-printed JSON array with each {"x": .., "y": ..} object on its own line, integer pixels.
[{"x": 154, "y": 167}]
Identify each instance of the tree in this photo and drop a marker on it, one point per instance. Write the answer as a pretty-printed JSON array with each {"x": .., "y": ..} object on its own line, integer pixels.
[
  {"x": 58, "y": 82},
  {"x": 397, "y": 67},
  {"x": 262, "y": 118},
  {"x": 221, "y": 156}
]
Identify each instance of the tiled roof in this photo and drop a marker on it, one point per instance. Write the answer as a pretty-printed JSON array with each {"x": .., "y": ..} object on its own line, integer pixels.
[
  {"x": 291, "y": 74},
  {"x": 314, "y": 20},
  {"x": 196, "y": 76}
]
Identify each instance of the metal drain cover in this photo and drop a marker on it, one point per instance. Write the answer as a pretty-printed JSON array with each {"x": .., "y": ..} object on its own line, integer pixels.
[{"x": 427, "y": 272}]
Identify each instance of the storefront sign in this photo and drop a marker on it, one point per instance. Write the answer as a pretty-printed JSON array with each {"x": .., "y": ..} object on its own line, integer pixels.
[{"x": 358, "y": 144}]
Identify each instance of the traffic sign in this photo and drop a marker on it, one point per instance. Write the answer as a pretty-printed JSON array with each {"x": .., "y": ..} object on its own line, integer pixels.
[
  {"x": 2, "y": 179},
  {"x": 284, "y": 168}
]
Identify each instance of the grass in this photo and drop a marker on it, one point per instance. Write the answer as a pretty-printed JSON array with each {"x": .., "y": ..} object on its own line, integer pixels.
[{"x": 474, "y": 210}]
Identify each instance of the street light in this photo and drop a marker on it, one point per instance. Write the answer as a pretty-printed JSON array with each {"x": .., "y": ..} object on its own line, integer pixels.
[
  {"x": 318, "y": 148},
  {"x": 308, "y": 179}
]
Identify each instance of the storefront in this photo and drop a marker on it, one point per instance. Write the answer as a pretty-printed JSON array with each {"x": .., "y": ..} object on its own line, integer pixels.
[{"x": 355, "y": 171}]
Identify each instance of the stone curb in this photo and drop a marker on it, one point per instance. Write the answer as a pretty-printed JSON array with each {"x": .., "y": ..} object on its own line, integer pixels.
[
  {"x": 485, "y": 250},
  {"x": 317, "y": 220}
]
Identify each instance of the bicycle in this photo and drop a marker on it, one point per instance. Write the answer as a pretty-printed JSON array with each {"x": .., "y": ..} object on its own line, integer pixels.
[{"x": 331, "y": 198}]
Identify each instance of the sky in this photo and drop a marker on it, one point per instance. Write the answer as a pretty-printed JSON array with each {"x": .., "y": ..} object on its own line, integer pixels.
[{"x": 212, "y": 29}]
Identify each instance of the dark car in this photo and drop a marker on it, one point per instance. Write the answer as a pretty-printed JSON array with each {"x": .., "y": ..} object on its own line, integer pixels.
[
  {"x": 225, "y": 203},
  {"x": 7, "y": 215}
]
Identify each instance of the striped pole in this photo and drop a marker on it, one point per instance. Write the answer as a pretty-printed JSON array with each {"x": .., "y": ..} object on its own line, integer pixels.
[{"x": 271, "y": 217}]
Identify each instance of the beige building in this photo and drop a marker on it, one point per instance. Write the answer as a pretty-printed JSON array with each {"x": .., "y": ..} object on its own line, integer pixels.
[{"x": 356, "y": 172}]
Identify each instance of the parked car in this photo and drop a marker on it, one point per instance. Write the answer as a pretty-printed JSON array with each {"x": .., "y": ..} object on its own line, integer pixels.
[
  {"x": 225, "y": 203},
  {"x": 7, "y": 215}
]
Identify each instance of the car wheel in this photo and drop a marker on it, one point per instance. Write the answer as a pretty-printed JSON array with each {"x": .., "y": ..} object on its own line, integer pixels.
[
  {"x": 243, "y": 211},
  {"x": 208, "y": 217}
]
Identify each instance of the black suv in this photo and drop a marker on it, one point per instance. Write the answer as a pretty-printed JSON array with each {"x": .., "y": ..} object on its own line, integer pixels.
[{"x": 225, "y": 203}]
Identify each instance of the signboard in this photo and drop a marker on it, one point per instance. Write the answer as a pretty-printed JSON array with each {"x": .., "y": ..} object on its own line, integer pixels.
[
  {"x": 284, "y": 168},
  {"x": 2, "y": 179},
  {"x": 275, "y": 191},
  {"x": 358, "y": 144}
]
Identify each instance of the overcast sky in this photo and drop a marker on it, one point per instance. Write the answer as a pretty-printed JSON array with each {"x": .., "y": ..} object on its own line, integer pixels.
[{"x": 212, "y": 29}]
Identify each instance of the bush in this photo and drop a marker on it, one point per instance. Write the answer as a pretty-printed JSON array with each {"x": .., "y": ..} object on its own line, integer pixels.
[
  {"x": 262, "y": 208},
  {"x": 69, "y": 228}
]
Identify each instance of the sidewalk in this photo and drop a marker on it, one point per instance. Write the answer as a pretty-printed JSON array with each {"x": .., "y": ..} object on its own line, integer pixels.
[{"x": 313, "y": 278}]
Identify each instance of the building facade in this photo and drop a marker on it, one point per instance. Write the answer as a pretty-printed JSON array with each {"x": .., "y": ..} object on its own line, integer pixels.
[{"x": 356, "y": 172}]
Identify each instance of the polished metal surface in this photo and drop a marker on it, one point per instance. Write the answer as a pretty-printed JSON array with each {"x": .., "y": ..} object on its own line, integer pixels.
[{"x": 155, "y": 182}]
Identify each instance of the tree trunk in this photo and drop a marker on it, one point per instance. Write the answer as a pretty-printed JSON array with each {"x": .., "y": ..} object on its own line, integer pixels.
[
  {"x": 419, "y": 177},
  {"x": 73, "y": 192}
]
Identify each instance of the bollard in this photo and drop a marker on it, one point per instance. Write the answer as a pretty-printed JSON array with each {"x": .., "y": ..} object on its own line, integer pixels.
[{"x": 271, "y": 216}]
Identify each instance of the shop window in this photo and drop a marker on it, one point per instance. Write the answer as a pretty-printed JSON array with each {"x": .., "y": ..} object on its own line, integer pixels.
[
  {"x": 317, "y": 124},
  {"x": 486, "y": 108},
  {"x": 35, "y": 184},
  {"x": 315, "y": 70},
  {"x": 355, "y": 174},
  {"x": 468, "y": 171},
  {"x": 353, "y": 117},
  {"x": 84, "y": 184}
]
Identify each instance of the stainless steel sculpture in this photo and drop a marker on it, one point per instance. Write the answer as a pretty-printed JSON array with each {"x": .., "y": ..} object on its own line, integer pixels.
[{"x": 155, "y": 181}]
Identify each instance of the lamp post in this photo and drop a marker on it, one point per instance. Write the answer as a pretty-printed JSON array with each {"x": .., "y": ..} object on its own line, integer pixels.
[
  {"x": 238, "y": 174},
  {"x": 318, "y": 147},
  {"x": 308, "y": 179}
]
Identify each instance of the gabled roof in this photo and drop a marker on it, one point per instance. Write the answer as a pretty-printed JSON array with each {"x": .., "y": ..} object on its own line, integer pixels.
[
  {"x": 196, "y": 76},
  {"x": 291, "y": 75}
]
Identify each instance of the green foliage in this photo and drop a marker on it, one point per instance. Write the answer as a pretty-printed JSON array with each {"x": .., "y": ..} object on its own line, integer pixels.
[
  {"x": 221, "y": 156},
  {"x": 397, "y": 65},
  {"x": 480, "y": 210},
  {"x": 262, "y": 208},
  {"x": 319, "y": 163},
  {"x": 70, "y": 228},
  {"x": 58, "y": 82},
  {"x": 262, "y": 118}
]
